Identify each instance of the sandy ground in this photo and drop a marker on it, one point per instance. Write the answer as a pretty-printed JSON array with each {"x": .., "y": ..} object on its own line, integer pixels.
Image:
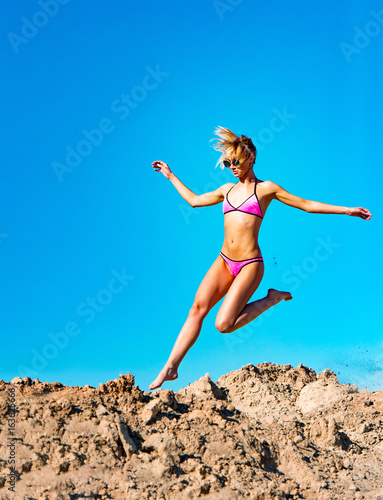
[{"x": 261, "y": 432}]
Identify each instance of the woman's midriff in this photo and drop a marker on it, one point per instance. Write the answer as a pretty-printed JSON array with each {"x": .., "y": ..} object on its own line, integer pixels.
[{"x": 241, "y": 236}]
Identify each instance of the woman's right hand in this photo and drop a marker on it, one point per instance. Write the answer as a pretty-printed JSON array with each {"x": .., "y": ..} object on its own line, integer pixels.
[
  {"x": 361, "y": 212},
  {"x": 161, "y": 166}
]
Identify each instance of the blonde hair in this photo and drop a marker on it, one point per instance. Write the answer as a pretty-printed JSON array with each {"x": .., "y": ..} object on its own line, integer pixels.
[{"x": 231, "y": 145}]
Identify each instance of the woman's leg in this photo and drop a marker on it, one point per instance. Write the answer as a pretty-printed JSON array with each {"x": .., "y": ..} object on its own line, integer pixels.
[
  {"x": 235, "y": 311},
  {"x": 213, "y": 287}
]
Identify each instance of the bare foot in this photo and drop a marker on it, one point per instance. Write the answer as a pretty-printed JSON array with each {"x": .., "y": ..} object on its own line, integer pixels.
[
  {"x": 167, "y": 373},
  {"x": 276, "y": 296}
]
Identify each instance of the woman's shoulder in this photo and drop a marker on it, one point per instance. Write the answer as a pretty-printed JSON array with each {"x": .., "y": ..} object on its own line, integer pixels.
[
  {"x": 267, "y": 185},
  {"x": 226, "y": 187}
]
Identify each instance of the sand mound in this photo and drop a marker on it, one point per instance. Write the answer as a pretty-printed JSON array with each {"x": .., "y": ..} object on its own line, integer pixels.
[{"x": 262, "y": 432}]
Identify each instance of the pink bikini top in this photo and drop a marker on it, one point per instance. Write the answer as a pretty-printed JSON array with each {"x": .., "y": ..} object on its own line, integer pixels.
[{"x": 249, "y": 206}]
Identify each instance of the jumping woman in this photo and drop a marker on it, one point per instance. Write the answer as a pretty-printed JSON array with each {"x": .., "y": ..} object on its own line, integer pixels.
[{"x": 239, "y": 268}]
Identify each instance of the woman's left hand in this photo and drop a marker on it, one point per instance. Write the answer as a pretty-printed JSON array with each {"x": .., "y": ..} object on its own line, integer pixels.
[{"x": 360, "y": 212}]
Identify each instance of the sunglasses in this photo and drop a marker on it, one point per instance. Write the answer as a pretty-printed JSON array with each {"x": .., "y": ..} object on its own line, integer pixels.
[{"x": 234, "y": 162}]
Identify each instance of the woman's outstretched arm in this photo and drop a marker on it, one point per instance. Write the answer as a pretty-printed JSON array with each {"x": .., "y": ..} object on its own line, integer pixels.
[
  {"x": 314, "y": 207},
  {"x": 161, "y": 166},
  {"x": 193, "y": 199}
]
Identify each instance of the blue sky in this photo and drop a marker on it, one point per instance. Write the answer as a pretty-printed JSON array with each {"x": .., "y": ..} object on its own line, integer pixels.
[{"x": 101, "y": 257}]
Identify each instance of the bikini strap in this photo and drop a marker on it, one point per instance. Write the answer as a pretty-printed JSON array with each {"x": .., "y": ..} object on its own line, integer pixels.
[
  {"x": 229, "y": 191},
  {"x": 255, "y": 188}
]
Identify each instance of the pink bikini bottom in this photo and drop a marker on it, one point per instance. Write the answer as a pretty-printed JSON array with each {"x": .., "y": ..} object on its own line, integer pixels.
[{"x": 236, "y": 265}]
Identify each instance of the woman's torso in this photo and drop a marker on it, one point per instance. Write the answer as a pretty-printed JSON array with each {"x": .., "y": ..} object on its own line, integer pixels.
[{"x": 245, "y": 210}]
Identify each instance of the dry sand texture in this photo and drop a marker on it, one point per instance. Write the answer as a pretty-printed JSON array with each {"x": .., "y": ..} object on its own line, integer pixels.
[{"x": 261, "y": 432}]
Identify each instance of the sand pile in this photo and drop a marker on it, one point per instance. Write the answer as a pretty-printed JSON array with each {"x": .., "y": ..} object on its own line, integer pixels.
[{"x": 262, "y": 432}]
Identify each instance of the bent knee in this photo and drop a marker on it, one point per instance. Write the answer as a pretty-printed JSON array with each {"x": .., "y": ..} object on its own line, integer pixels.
[
  {"x": 223, "y": 326},
  {"x": 199, "y": 309}
]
